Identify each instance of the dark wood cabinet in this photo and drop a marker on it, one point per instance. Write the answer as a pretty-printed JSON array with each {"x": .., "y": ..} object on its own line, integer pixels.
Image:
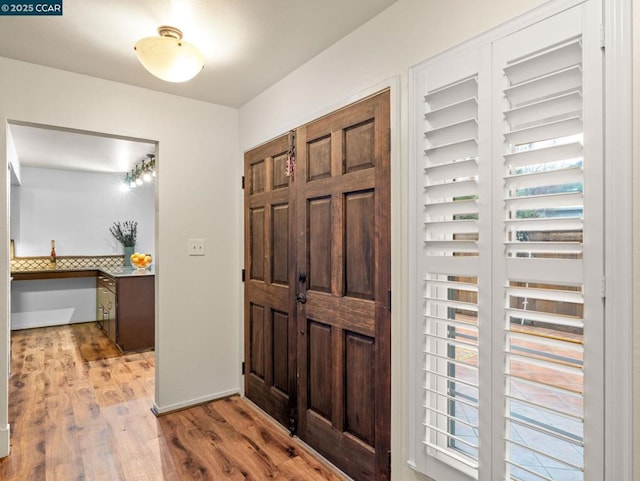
[
  {"x": 126, "y": 310},
  {"x": 135, "y": 313}
]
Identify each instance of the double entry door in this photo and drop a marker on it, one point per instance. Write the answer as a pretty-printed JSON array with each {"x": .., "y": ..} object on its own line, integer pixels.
[{"x": 317, "y": 289}]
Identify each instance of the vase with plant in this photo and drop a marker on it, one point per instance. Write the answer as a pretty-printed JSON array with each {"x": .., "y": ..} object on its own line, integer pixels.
[{"x": 126, "y": 233}]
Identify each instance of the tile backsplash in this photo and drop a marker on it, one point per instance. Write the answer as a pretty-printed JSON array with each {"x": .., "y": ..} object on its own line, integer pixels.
[{"x": 65, "y": 262}]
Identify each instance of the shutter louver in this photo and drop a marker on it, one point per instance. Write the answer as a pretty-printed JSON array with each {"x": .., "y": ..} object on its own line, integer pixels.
[
  {"x": 544, "y": 325},
  {"x": 450, "y": 347}
]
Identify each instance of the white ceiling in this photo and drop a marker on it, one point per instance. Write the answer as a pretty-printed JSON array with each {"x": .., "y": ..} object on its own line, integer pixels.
[
  {"x": 63, "y": 149},
  {"x": 248, "y": 46}
]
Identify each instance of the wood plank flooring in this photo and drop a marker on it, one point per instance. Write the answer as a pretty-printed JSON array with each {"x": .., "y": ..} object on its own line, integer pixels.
[{"x": 80, "y": 411}]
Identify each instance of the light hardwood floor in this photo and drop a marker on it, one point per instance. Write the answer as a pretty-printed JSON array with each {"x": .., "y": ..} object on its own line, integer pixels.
[{"x": 80, "y": 411}]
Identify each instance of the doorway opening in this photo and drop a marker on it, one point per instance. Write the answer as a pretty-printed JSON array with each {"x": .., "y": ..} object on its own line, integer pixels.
[{"x": 67, "y": 190}]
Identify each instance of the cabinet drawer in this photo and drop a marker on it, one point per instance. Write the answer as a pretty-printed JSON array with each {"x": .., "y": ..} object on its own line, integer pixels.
[{"x": 107, "y": 283}]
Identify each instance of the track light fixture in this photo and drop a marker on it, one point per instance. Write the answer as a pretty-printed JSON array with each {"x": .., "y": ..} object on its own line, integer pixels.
[{"x": 144, "y": 171}]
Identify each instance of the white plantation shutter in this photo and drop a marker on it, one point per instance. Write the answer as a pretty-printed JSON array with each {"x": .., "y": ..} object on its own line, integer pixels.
[
  {"x": 542, "y": 109},
  {"x": 450, "y": 163},
  {"x": 451, "y": 169},
  {"x": 508, "y": 256}
]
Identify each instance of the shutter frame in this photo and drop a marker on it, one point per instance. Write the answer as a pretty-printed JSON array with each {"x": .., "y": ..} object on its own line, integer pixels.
[{"x": 526, "y": 117}]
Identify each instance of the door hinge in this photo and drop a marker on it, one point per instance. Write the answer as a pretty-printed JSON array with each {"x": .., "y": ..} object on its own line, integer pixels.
[
  {"x": 244, "y": 275},
  {"x": 243, "y": 368},
  {"x": 602, "y": 36},
  {"x": 243, "y": 182},
  {"x": 603, "y": 287},
  {"x": 389, "y": 139},
  {"x": 389, "y": 300}
]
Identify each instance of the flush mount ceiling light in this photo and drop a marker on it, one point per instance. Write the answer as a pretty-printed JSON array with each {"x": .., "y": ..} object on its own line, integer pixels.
[{"x": 168, "y": 57}]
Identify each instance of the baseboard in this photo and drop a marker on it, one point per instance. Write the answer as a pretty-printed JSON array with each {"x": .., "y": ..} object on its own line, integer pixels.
[
  {"x": 160, "y": 410},
  {"x": 5, "y": 445}
]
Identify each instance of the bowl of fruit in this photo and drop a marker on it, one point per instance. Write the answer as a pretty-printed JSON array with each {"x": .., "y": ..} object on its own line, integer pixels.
[{"x": 140, "y": 261}]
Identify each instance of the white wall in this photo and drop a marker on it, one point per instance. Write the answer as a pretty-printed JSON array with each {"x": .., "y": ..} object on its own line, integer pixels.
[
  {"x": 5, "y": 309},
  {"x": 198, "y": 319},
  {"x": 12, "y": 158},
  {"x": 405, "y": 34},
  {"x": 636, "y": 232},
  {"x": 39, "y": 303},
  {"x": 76, "y": 209}
]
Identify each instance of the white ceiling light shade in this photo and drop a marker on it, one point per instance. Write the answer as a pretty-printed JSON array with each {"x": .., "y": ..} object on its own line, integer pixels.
[{"x": 168, "y": 57}]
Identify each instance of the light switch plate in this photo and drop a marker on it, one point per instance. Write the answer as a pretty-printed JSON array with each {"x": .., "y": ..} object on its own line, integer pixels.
[{"x": 195, "y": 247}]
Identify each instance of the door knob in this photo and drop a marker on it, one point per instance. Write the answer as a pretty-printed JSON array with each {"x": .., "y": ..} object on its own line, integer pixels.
[{"x": 301, "y": 298}]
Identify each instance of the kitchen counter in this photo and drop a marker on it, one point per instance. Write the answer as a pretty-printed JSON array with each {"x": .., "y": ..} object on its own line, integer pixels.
[
  {"x": 124, "y": 307},
  {"x": 83, "y": 272},
  {"x": 126, "y": 271}
]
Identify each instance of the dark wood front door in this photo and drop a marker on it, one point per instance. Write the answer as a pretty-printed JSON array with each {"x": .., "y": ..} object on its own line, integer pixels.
[
  {"x": 269, "y": 334},
  {"x": 338, "y": 285}
]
